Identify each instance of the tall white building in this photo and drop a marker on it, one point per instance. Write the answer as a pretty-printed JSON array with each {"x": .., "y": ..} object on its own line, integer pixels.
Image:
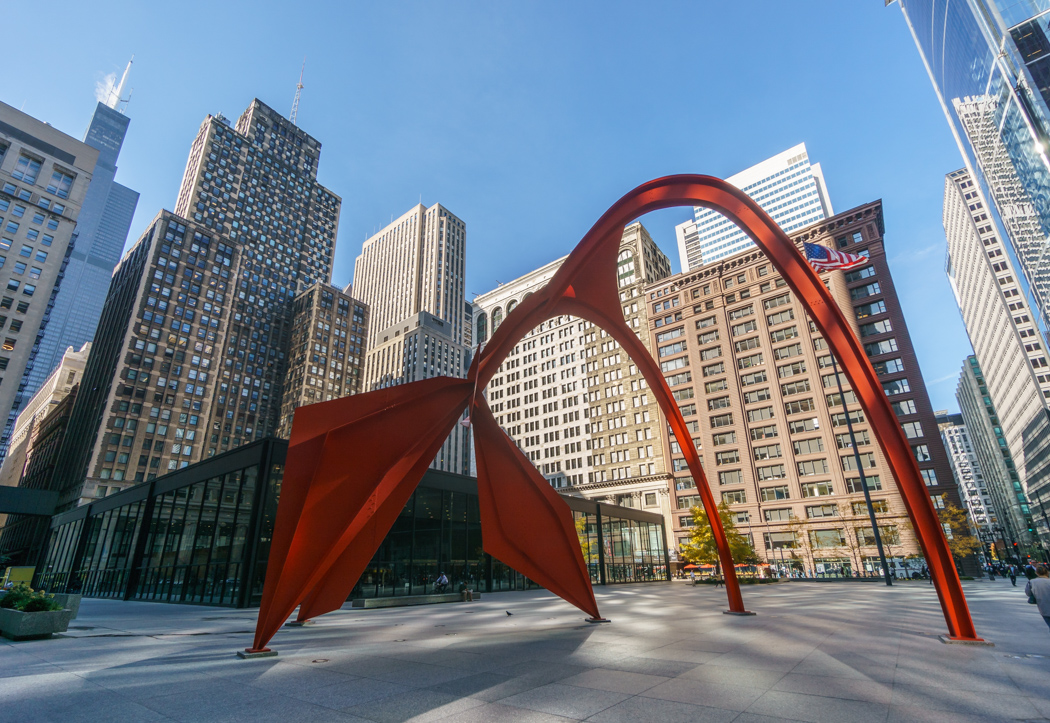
[
  {"x": 411, "y": 274},
  {"x": 787, "y": 187},
  {"x": 966, "y": 469},
  {"x": 416, "y": 263},
  {"x": 1006, "y": 341}
]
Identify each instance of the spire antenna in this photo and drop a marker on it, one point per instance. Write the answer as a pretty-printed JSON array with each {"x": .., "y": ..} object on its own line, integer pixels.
[
  {"x": 117, "y": 101},
  {"x": 298, "y": 92}
]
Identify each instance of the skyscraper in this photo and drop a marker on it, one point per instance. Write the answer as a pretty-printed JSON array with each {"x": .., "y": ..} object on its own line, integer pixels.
[
  {"x": 1002, "y": 329},
  {"x": 255, "y": 184},
  {"x": 416, "y": 263},
  {"x": 787, "y": 187},
  {"x": 988, "y": 64},
  {"x": 102, "y": 229},
  {"x": 993, "y": 454},
  {"x": 192, "y": 349},
  {"x": 411, "y": 276},
  {"x": 968, "y": 475},
  {"x": 45, "y": 177}
]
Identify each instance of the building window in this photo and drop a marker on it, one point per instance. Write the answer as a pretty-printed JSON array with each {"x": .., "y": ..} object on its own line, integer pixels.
[
  {"x": 770, "y": 494},
  {"x": 853, "y": 484},
  {"x": 27, "y": 169},
  {"x": 816, "y": 489},
  {"x": 60, "y": 184},
  {"x": 826, "y": 538}
]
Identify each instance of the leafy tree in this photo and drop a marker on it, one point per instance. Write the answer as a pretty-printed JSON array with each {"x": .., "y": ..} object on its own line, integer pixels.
[
  {"x": 585, "y": 542},
  {"x": 961, "y": 540},
  {"x": 701, "y": 548}
]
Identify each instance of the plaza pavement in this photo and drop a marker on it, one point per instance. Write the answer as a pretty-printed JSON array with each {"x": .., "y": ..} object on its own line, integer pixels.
[{"x": 815, "y": 652}]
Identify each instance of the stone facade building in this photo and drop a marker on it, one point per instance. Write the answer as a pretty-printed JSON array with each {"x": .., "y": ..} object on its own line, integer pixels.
[
  {"x": 571, "y": 398},
  {"x": 44, "y": 180},
  {"x": 322, "y": 317},
  {"x": 757, "y": 387}
]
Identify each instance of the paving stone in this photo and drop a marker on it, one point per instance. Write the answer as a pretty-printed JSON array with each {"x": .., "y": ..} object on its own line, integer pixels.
[
  {"x": 616, "y": 681},
  {"x": 564, "y": 700},
  {"x": 665, "y": 711},
  {"x": 700, "y": 692},
  {"x": 818, "y": 709}
]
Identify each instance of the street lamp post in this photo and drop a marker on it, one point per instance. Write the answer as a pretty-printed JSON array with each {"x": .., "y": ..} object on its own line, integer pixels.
[{"x": 863, "y": 479}]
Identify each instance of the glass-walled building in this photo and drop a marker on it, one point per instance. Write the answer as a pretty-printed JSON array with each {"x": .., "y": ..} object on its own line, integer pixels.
[
  {"x": 989, "y": 62},
  {"x": 201, "y": 535}
]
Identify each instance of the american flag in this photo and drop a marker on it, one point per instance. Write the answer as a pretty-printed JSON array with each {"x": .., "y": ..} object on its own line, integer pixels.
[{"x": 822, "y": 258}]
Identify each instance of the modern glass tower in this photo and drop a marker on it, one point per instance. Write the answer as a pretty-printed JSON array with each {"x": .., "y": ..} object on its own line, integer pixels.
[
  {"x": 786, "y": 186},
  {"x": 102, "y": 230},
  {"x": 989, "y": 62}
]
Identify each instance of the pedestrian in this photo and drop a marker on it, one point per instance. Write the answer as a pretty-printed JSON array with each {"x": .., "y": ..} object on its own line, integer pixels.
[
  {"x": 718, "y": 581},
  {"x": 1013, "y": 575},
  {"x": 1029, "y": 570},
  {"x": 991, "y": 574},
  {"x": 692, "y": 576},
  {"x": 1038, "y": 590}
]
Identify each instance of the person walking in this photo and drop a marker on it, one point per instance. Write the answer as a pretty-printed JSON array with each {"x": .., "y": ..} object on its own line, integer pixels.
[
  {"x": 1029, "y": 570},
  {"x": 1013, "y": 575},
  {"x": 1038, "y": 589}
]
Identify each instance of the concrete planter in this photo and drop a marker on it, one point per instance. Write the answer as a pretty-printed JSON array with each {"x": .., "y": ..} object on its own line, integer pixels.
[
  {"x": 16, "y": 625},
  {"x": 69, "y": 601}
]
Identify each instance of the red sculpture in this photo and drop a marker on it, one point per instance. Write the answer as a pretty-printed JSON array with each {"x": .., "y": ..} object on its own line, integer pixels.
[{"x": 353, "y": 463}]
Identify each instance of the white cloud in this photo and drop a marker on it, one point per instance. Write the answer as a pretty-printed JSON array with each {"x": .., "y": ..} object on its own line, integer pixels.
[
  {"x": 106, "y": 89},
  {"x": 941, "y": 380}
]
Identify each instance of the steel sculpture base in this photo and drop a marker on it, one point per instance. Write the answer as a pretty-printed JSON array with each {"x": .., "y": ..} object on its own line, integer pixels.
[
  {"x": 354, "y": 462},
  {"x": 949, "y": 640},
  {"x": 249, "y": 654},
  {"x": 738, "y": 612}
]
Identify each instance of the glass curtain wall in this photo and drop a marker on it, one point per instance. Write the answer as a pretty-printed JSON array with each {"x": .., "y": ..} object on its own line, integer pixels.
[{"x": 202, "y": 536}]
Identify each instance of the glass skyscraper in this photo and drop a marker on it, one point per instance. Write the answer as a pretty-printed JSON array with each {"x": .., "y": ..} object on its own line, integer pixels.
[
  {"x": 786, "y": 186},
  {"x": 989, "y": 62},
  {"x": 101, "y": 231}
]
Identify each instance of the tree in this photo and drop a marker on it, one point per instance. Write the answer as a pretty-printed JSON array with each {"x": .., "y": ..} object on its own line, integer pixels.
[
  {"x": 585, "y": 542},
  {"x": 956, "y": 526},
  {"x": 701, "y": 548}
]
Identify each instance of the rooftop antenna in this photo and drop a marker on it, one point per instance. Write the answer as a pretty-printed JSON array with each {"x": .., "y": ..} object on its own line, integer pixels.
[
  {"x": 117, "y": 101},
  {"x": 298, "y": 92}
]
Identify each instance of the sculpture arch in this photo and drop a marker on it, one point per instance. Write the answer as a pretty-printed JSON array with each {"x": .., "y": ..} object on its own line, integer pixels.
[{"x": 331, "y": 520}]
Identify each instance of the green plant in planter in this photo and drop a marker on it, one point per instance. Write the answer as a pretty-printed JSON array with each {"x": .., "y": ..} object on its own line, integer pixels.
[
  {"x": 24, "y": 599},
  {"x": 15, "y": 596}
]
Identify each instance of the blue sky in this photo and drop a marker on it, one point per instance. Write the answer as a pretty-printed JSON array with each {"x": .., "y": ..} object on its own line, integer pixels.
[{"x": 529, "y": 119}]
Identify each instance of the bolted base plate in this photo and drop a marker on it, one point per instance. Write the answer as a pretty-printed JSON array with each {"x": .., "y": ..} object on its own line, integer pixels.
[
  {"x": 298, "y": 623},
  {"x": 734, "y": 612},
  {"x": 598, "y": 620},
  {"x": 249, "y": 654},
  {"x": 949, "y": 640}
]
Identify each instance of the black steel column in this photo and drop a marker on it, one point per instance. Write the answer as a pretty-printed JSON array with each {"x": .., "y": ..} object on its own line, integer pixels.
[{"x": 135, "y": 570}]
